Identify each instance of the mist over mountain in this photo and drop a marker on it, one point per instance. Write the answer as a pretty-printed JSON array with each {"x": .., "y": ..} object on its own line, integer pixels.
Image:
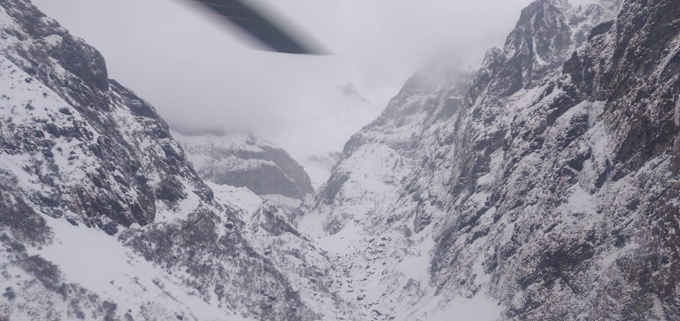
[
  {"x": 243, "y": 160},
  {"x": 541, "y": 185}
]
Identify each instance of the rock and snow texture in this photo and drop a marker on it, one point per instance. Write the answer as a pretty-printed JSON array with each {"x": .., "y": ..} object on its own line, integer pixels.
[
  {"x": 550, "y": 192},
  {"x": 543, "y": 187},
  {"x": 243, "y": 160},
  {"x": 103, "y": 217}
]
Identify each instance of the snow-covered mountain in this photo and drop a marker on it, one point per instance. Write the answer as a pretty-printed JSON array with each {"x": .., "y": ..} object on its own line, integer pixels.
[
  {"x": 243, "y": 160},
  {"x": 103, "y": 217},
  {"x": 546, "y": 191},
  {"x": 542, "y": 187}
]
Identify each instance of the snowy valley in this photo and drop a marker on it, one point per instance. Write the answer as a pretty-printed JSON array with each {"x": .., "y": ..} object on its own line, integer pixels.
[{"x": 543, "y": 186}]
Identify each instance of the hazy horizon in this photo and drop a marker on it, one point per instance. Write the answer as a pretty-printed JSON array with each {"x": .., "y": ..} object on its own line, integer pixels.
[{"x": 199, "y": 73}]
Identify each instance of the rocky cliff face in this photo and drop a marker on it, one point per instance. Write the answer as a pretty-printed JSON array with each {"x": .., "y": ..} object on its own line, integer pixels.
[
  {"x": 376, "y": 161},
  {"x": 243, "y": 160},
  {"x": 543, "y": 187},
  {"x": 550, "y": 190},
  {"x": 102, "y": 215},
  {"x": 63, "y": 127}
]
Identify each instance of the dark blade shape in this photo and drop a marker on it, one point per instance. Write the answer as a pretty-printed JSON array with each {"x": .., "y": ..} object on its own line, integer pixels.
[{"x": 257, "y": 25}]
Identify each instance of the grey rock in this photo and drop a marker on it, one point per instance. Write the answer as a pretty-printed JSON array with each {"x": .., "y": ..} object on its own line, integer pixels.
[
  {"x": 552, "y": 181},
  {"x": 81, "y": 149},
  {"x": 243, "y": 160}
]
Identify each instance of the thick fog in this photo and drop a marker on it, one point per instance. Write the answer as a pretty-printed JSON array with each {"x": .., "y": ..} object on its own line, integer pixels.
[{"x": 199, "y": 72}]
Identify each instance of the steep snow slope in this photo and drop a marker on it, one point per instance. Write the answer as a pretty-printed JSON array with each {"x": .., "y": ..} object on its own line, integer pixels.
[
  {"x": 102, "y": 215},
  {"x": 243, "y": 160},
  {"x": 310, "y": 270},
  {"x": 545, "y": 187},
  {"x": 377, "y": 159},
  {"x": 551, "y": 190},
  {"x": 350, "y": 218}
]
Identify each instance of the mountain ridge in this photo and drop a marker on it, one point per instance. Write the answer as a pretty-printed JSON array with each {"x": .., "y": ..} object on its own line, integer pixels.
[
  {"x": 512, "y": 198},
  {"x": 103, "y": 215},
  {"x": 243, "y": 160},
  {"x": 542, "y": 187}
]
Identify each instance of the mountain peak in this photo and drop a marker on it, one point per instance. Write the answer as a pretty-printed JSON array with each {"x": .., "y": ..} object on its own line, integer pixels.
[{"x": 544, "y": 37}]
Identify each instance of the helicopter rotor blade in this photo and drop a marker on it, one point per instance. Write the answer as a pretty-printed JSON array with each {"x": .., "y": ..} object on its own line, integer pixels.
[{"x": 257, "y": 25}]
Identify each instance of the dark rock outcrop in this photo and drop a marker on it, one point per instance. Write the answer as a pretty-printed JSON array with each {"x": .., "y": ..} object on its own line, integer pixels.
[
  {"x": 102, "y": 215},
  {"x": 95, "y": 120},
  {"x": 551, "y": 189}
]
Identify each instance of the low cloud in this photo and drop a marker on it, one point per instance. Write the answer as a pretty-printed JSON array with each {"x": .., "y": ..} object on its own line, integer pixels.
[{"x": 199, "y": 72}]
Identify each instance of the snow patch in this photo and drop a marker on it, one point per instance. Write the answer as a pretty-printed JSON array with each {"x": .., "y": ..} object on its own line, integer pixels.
[
  {"x": 105, "y": 266},
  {"x": 478, "y": 308},
  {"x": 53, "y": 40}
]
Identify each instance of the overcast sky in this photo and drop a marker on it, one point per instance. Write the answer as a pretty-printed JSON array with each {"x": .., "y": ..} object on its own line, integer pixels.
[{"x": 197, "y": 71}]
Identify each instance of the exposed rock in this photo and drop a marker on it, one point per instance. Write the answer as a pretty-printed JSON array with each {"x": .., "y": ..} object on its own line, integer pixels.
[
  {"x": 242, "y": 160},
  {"x": 103, "y": 217},
  {"x": 551, "y": 189},
  {"x": 543, "y": 187}
]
